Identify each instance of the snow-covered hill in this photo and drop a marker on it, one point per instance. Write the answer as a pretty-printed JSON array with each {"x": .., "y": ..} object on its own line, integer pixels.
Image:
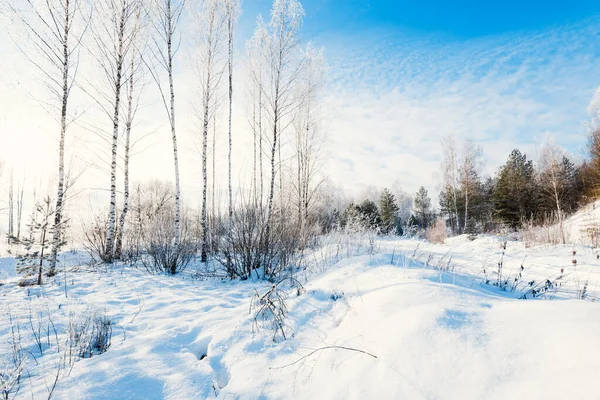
[
  {"x": 384, "y": 319},
  {"x": 578, "y": 226}
]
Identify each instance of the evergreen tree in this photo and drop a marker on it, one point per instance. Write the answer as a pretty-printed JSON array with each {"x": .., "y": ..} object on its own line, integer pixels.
[
  {"x": 422, "y": 207},
  {"x": 515, "y": 193},
  {"x": 389, "y": 212},
  {"x": 486, "y": 208},
  {"x": 447, "y": 207},
  {"x": 369, "y": 214},
  {"x": 570, "y": 175},
  {"x": 37, "y": 256}
]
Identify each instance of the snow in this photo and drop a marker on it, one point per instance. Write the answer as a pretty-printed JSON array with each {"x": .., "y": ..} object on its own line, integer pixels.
[
  {"x": 437, "y": 330},
  {"x": 577, "y": 224}
]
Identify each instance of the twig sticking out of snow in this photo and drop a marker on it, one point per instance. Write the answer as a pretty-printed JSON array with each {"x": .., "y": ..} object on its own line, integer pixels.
[{"x": 325, "y": 348}]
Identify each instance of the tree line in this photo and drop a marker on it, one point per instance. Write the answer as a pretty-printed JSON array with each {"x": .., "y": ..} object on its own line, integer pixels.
[
  {"x": 131, "y": 42},
  {"x": 520, "y": 191}
]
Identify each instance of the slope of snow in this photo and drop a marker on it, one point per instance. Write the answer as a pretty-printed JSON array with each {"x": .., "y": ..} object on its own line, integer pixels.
[
  {"x": 437, "y": 331},
  {"x": 576, "y": 225}
]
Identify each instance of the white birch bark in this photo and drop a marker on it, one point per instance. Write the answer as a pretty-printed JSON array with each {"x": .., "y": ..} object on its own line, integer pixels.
[
  {"x": 165, "y": 20},
  {"x": 286, "y": 18},
  {"x": 211, "y": 21}
]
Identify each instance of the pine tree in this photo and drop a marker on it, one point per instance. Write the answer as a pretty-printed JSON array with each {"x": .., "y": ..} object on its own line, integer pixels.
[
  {"x": 515, "y": 193},
  {"x": 389, "y": 212},
  {"x": 422, "y": 207}
]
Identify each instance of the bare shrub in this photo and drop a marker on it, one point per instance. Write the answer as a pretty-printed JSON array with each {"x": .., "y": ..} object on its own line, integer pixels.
[
  {"x": 12, "y": 368},
  {"x": 152, "y": 238},
  {"x": 248, "y": 249},
  {"x": 437, "y": 233},
  {"x": 95, "y": 238},
  {"x": 241, "y": 253},
  {"x": 10, "y": 379},
  {"x": 283, "y": 245},
  {"x": 163, "y": 253},
  {"x": 89, "y": 335},
  {"x": 270, "y": 308}
]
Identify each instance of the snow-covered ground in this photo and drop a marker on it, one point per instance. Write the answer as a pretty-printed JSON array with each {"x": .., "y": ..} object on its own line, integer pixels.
[{"x": 426, "y": 324}]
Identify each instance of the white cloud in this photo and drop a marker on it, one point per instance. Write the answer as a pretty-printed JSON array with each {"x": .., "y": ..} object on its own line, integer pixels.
[{"x": 393, "y": 98}]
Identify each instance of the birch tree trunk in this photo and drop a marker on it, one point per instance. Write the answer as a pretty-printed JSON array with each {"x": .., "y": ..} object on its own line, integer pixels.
[
  {"x": 20, "y": 208},
  {"x": 204, "y": 254},
  {"x": 11, "y": 209},
  {"x": 231, "y": 15},
  {"x": 171, "y": 25},
  {"x": 61, "y": 146},
  {"x": 213, "y": 192},
  {"x": 212, "y": 20},
  {"x": 128, "y": 123},
  {"x": 165, "y": 21},
  {"x": 110, "y": 234},
  {"x": 115, "y": 34}
]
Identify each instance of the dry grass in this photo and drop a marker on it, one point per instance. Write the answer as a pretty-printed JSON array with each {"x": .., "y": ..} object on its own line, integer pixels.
[{"x": 437, "y": 233}]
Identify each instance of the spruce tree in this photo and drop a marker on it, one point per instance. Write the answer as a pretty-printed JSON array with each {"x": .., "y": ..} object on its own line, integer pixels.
[
  {"x": 515, "y": 195},
  {"x": 422, "y": 207},
  {"x": 369, "y": 215},
  {"x": 389, "y": 212},
  {"x": 447, "y": 207}
]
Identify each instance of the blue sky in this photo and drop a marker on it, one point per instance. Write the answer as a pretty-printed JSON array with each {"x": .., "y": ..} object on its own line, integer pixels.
[
  {"x": 460, "y": 19},
  {"x": 403, "y": 74}
]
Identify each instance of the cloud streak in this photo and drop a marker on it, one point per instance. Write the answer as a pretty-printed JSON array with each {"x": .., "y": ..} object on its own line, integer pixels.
[{"x": 395, "y": 96}]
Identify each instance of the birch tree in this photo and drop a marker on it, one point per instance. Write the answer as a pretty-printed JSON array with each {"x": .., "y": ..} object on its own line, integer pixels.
[
  {"x": 256, "y": 55},
  {"x": 211, "y": 21},
  {"x": 114, "y": 35},
  {"x": 282, "y": 73},
  {"x": 55, "y": 36},
  {"x": 232, "y": 9},
  {"x": 555, "y": 180},
  {"x": 450, "y": 179},
  {"x": 165, "y": 20},
  {"x": 20, "y": 200},
  {"x": 470, "y": 165},
  {"x": 133, "y": 88},
  {"x": 11, "y": 207},
  {"x": 307, "y": 124}
]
